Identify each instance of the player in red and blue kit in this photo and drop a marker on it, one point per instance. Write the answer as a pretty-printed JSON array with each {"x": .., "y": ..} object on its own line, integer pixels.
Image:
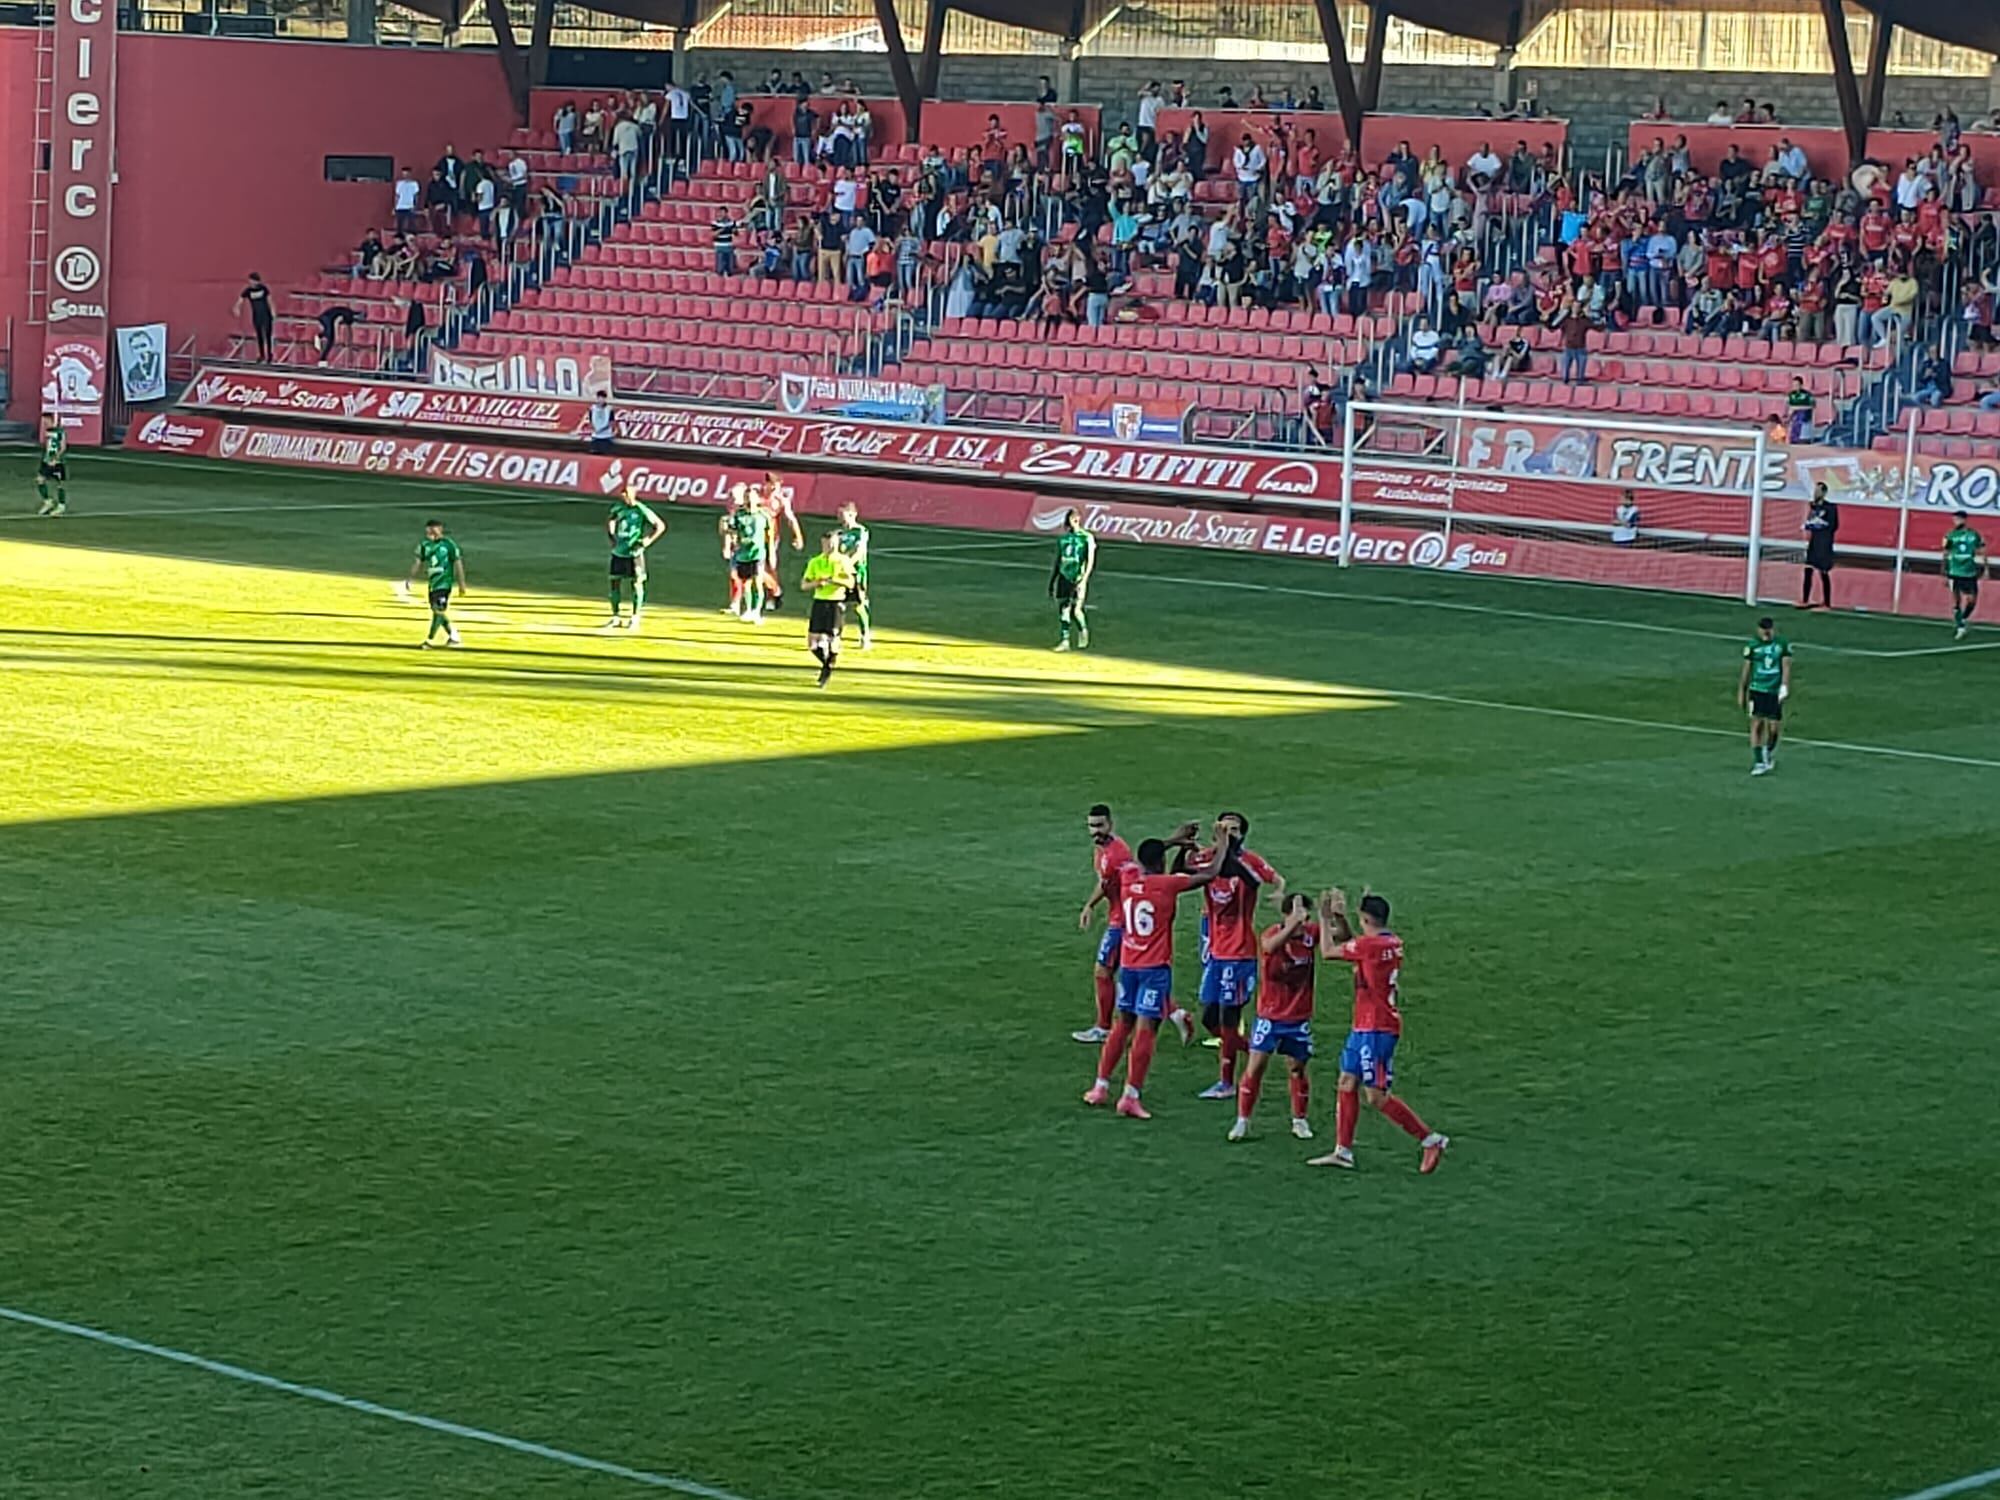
[
  {"x": 1284, "y": 1014},
  {"x": 1229, "y": 949},
  {"x": 1367, "y": 1059},
  {"x": 1109, "y": 855},
  {"x": 1148, "y": 895}
]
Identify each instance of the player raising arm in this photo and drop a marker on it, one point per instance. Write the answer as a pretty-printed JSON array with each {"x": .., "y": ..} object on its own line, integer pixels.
[
  {"x": 1147, "y": 897},
  {"x": 1229, "y": 947},
  {"x": 1284, "y": 1014},
  {"x": 443, "y": 568},
  {"x": 1762, "y": 687},
  {"x": 633, "y": 527},
  {"x": 1368, "y": 1057},
  {"x": 1069, "y": 579},
  {"x": 1964, "y": 566}
]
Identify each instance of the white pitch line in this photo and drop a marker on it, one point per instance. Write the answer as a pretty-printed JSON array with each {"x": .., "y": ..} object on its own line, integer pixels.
[
  {"x": 1956, "y": 1486},
  {"x": 1895, "y": 752},
  {"x": 945, "y": 549},
  {"x": 1464, "y": 607},
  {"x": 1951, "y": 650},
  {"x": 372, "y": 1408}
]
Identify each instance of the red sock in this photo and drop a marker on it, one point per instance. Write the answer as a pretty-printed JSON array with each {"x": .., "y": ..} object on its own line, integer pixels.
[
  {"x": 1107, "y": 1000},
  {"x": 1246, "y": 1093},
  {"x": 1142, "y": 1057},
  {"x": 1114, "y": 1046},
  {"x": 735, "y": 591},
  {"x": 1301, "y": 1095},
  {"x": 1397, "y": 1112},
  {"x": 1232, "y": 1043},
  {"x": 1346, "y": 1110}
]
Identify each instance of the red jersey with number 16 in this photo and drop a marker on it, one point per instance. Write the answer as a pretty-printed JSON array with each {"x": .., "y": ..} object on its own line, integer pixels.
[
  {"x": 1377, "y": 960},
  {"x": 1147, "y": 908},
  {"x": 1287, "y": 991},
  {"x": 1113, "y": 855}
]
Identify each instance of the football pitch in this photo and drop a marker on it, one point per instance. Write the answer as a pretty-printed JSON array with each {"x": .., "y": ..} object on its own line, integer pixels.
[{"x": 598, "y": 1064}]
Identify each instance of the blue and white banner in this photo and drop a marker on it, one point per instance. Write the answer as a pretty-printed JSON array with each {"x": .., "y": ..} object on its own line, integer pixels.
[{"x": 142, "y": 362}]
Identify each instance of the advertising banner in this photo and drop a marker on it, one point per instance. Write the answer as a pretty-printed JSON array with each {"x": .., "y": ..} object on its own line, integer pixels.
[
  {"x": 853, "y": 396},
  {"x": 1513, "y": 474},
  {"x": 142, "y": 362},
  {"x": 578, "y": 377},
  {"x": 79, "y": 247},
  {"x": 986, "y": 507},
  {"x": 1136, "y": 421},
  {"x": 888, "y": 447},
  {"x": 1506, "y": 444}
]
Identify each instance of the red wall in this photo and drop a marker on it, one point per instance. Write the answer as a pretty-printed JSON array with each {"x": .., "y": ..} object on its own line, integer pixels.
[{"x": 221, "y": 164}]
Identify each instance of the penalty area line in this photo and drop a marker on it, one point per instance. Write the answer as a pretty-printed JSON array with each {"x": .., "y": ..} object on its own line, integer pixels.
[
  {"x": 1957, "y": 1486},
  {"x": 1461, "y": 606},
  {"x": 1895, "y": 752},
  {"x": 371, "y": 1408}
]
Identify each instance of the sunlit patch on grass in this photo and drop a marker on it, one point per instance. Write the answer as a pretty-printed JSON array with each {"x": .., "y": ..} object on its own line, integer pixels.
[{"x": 138, "y": 682}]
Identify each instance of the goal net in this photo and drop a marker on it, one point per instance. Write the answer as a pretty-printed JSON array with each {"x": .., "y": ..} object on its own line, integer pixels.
[
  {"x": 1550, "y": 494},
  {"x": 1711, "y": 509}
]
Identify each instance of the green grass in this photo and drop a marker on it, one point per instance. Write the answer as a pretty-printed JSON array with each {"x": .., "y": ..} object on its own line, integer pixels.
[{"x": 620, "y": 1045}]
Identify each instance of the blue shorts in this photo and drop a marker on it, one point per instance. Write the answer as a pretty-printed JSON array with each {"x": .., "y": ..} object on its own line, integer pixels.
[
  {"x": 1293, "y": 1038},
  {"x": 1146, "y": 993},
  {"x": 1369, "y": 1056},
  {"x": 1108, "y": 946},
  {"x": 1228, "y": 981}
]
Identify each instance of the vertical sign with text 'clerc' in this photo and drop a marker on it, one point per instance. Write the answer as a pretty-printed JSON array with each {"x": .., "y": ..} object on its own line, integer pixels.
[{"x": 79, "y": 269}]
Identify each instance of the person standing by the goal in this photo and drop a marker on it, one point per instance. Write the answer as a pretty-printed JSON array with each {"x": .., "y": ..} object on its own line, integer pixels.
[
  {"x": 1069, "y": 580},
  {"x": 1822, "y": 527}
]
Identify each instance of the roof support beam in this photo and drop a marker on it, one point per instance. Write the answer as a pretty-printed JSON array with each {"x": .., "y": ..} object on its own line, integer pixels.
[
  {"x": 899, "y": 67},
  {"x": 1881, "y": 38},
  {"x": 933, "y": 56},
  {"x": 512, "y": 63},
  {"x": 1371, "y": 65},
  {"x": 1344, "y": 87},
  {"x": 1852, "y": 119},
  {"x": 538, "y": 43}
]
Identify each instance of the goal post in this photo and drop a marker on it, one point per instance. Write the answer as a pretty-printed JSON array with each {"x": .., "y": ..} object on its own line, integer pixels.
[{"x": 1555, "y": 494}]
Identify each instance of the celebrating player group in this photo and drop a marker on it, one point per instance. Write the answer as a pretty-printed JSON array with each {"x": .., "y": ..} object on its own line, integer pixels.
[{"x": 1272, "y": 971}]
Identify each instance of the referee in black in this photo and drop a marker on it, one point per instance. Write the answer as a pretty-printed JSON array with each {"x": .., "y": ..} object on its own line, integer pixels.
[{"x": 1822, "y": 526}]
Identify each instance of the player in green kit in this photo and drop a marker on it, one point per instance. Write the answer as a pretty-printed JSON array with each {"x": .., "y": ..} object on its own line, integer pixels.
[
  {"x": 632, "y": 527},
  {"x": 53, "y": 469},
  {"x": 1964, "y": 566},
  {"x": 1762, "y": 688},
  {"x": 443, "y": 568},
  {"x": 853, "y": 538},
  {"x": 1069, "y": 582},
  {"x": 743, "y": 529}
]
